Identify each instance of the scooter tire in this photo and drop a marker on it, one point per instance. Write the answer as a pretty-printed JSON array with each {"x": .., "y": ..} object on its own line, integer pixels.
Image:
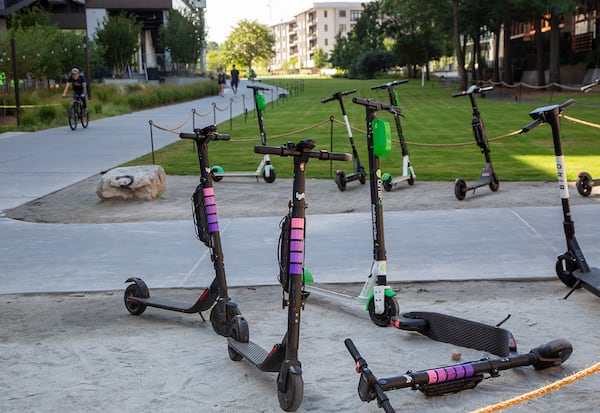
[
  {"x": 391, "y": 309},
  {"x": 291, "y": 399},
  {"x": 564, "y": 271},
  {"x": 231, "y": 311},
  {"x": 557, "y": 350},
  {"x": 582, "y": 184},
  {"x": 135, "y": 308},
  {"x": 459, "y": 189},
  {"x": 239, "y": 332},
  {"x": 340, "y": 180},
  {"x": 495, "y": 183}
]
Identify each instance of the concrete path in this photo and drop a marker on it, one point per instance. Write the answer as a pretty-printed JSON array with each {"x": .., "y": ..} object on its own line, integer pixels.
[{"x": 465, "y": 244}]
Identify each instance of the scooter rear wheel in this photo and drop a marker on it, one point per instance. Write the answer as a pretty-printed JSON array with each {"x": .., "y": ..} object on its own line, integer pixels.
[
  {"x": 271, "y": 178},
  {"x": 460, "y": 187},
  {"x": 494, "y": 183},
  {"x": 135, "y": 308},
  {"x": 583, "y": 184},
  {"x": 391, "y": 309},
  {"x": 291, "y": 399},
  {"x": 239, "y": 332},
  {"x": 213, "y": 173}
]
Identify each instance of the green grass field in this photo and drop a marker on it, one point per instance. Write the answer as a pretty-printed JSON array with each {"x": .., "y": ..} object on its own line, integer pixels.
[{"x": 432, "y": 117}]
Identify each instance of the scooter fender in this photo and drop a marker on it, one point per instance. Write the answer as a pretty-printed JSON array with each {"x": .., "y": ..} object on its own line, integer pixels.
[
  {"x": 289, "y": 367},
  {"x": 388, "y": 292},
  {"x": 141, "y": 284}
]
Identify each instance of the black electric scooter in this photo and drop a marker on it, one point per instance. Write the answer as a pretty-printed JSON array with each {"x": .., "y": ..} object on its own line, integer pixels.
[
  {"x": 283, "y": 357},
  {"x": 359, "y": 174},
  {"x": 137, "y": 295},
  {"x": 488, "y": 176},
  {"x": 264, "y": 168},
  {"x": 378, "y": 297},
  {"x": 452, "y": 379},
  {"x": 571, "y": 267},
  {"x": 408, "y": 172},
  {"x": 585, "y": 182}
]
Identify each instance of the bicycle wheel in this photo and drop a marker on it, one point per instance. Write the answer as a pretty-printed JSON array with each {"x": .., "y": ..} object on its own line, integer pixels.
[
  {"x": 84, "y": 116},
  {"x": 73, "y": 116}
]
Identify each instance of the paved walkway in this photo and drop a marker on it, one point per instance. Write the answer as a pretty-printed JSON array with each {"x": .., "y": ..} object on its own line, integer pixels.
[{"x": 462, "y": 244}]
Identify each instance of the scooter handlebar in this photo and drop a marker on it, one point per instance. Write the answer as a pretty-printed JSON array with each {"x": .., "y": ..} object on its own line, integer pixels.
[
  {"x": 390, "y": 84},
  {"x": 337, "y": 95},
  {"x": 209, "y": 132},
  {"x": 587, "y": 88},
  {"x": 473, "y": 89},
  {"x": 372, "y": 103},
  {"x": 257, "y": 87},
  {"x": 322, "y": 155}
]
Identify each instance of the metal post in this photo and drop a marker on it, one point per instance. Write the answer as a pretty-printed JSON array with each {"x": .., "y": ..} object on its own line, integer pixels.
[
  {"x": 87, "y": 66},
  {"x": 13, "y": 52},
  {"x": 151, "y": 141}
]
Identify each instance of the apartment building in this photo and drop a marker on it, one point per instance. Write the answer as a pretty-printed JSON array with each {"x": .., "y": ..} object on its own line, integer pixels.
[
  {"x": 89, "y": 15},
  {"x": 297, "y": 39}
]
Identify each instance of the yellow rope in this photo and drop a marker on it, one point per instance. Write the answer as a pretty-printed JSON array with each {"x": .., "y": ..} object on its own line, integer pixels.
[
  {"x": 542, "y": 390},
  {"x": 583, "y": 122},
  {"x": 172, "y": 130}
]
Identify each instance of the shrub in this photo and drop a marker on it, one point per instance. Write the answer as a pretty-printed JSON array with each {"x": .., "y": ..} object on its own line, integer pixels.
[{"x": 47, "y": 114}]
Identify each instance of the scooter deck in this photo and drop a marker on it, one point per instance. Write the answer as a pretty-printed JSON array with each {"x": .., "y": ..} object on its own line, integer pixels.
[
  {"x": 460, "y": 332},
  {"x": 204, "y": 303},
  {"x": 258, "y": 356},
  {"x": 590, "y": 280}
]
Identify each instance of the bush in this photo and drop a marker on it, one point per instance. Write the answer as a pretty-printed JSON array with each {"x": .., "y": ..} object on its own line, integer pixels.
[{"x": 47, "y": 114}]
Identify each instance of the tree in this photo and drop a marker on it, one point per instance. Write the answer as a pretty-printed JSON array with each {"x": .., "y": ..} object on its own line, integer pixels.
[
  {"x": 118, "y": 41},
  {"x": 248, "y": 42},
  {"x": 320, "y": 58},
  {"x": 188, "y": 25}
]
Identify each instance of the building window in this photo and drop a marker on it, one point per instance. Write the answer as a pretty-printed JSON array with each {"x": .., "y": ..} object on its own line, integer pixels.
[
  {"x": 342, "y": 28},
  {"x": 326, "y": 42},
  {"x": 342, "y": 13},
  {"x": 354, "y": 15},
  {"x": 325, "y": 28},
  {"x": 325, "y": 14}
]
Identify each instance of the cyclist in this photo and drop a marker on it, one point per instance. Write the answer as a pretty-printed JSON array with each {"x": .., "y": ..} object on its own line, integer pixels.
[{"x": 79, "y": 86}]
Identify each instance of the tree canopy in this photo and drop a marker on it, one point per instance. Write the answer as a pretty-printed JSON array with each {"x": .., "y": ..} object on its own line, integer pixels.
[
  {"x": 249, "y": 42},
  {"x": 118, "y": 41}
]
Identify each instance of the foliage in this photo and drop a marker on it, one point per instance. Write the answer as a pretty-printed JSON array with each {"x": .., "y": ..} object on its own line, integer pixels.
[
  {"x": 118, "y": 41},
  {"x": 188, "y": 25},
  {"x": 320, "y": 58},
  {"x": 370, "y": 62},
  {"x": 247, "y": 43}
]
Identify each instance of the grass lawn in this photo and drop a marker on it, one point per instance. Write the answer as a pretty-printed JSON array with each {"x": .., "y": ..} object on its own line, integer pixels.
[{"x": 432, "y": 117}]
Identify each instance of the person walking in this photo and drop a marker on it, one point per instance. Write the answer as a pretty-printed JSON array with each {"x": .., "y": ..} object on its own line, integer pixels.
[
  {"x": 221, "y": 79},
  {"x": 235, "y": 79}
]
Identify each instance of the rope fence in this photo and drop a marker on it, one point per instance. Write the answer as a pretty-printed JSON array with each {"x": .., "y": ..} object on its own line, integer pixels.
[{"x": 541, "y": 391}]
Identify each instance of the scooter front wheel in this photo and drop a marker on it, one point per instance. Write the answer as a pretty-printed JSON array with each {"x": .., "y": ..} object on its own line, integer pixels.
[
  {"x": 291, "y": 398},
  {"x": 583, "y": 184},
  {"x": 391, "y": 309},
  {"x": 223, "y": 328},
  {"x": 340, "y": 180},
  {"x": 460, "y": 187},
  {"x": 134, "y": 307},
  {"x": 565, "y": 266},
  {"x": 239, "y": 332},
  {"x": 494, "y": 183},
  {"x": 557, "y": 350},
  {"x": 363, "y": 175}
]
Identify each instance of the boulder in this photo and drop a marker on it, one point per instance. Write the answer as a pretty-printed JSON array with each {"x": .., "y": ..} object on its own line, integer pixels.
[{"x": 133, "y": 182}]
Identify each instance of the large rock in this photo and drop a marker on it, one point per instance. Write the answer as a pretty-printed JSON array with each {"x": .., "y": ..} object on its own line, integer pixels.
[{"x": 133, "y": 182}]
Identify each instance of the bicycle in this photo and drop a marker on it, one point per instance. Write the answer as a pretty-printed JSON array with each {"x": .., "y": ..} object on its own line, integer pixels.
[{"x": 77, "y": 113}]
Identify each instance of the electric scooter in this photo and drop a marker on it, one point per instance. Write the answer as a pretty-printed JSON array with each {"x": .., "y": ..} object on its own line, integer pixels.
[
  {"x": 359, "y": 174},
  {"x": 455, "y": 378},
  {"x": 283, "y": 357},
  {"x": 137, "y": 295},
  {"x": 571, "y": 267},
  {"x": 585, "y": 182},
  {"x": 488, "y": 176},
  {"x": 264, "y": 169},
  {"x": 378, "y": 297},
  {"x": 408, "y": 173}
]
